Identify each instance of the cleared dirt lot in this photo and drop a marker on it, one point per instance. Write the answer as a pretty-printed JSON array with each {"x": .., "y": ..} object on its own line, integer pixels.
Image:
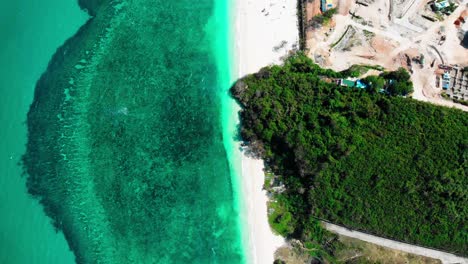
[
  {"x": 392, "y": 34},
  {"x": 354, "y": 251},
  {"x": 358, "y": 250}
]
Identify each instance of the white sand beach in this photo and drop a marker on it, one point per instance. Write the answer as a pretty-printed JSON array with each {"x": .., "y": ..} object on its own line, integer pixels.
[{"x": 265, "y": 31}]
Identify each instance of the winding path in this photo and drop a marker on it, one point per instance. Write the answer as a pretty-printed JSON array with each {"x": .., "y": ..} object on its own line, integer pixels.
[{"x": 431, "y": 253}]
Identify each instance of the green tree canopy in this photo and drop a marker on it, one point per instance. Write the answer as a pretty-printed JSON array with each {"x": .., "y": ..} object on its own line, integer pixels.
[{"x": 385, "y": 164}]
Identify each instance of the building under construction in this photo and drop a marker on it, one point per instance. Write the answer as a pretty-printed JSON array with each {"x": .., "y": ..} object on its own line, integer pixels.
[{"x": 455, "y": 82}]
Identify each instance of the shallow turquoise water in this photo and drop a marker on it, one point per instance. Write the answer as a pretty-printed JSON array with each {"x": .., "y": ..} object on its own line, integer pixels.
[
  {"x": 125, "y": 147},
  {"x": 30, "y": 33}
]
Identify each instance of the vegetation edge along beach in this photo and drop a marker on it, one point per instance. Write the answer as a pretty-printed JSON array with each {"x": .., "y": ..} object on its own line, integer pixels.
[{"x": 363, "y": 160}]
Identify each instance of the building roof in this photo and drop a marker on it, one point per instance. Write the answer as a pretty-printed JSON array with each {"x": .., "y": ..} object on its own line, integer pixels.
[
  {"x": 353, "y": 83},
  {"x": 326, "y": 4},
  {"x": 348, "y": 83},
  {"x": 445, "y": 84},
  {"x": 360, "y": 84},
  {"x": 441, "y": 4}
]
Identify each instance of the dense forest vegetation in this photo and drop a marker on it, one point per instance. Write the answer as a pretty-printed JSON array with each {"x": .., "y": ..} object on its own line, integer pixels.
[{"x": 365, "y": 158}]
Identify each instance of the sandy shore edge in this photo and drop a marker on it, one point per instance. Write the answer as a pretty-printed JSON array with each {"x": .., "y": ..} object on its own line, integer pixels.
[{"x": 264, "y": 32}]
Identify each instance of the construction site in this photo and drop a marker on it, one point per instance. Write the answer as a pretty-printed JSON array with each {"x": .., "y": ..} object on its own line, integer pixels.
[{"x": 426, "y": 37}]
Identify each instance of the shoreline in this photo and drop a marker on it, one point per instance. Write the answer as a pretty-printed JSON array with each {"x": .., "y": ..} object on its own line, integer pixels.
[{"x": 263, "y": 32}]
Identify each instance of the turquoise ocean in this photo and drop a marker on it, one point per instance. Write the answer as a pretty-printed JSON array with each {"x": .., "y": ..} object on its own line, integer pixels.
[
  {"x": 30, "y": 31},
  {"x": 122, "y": 127}
]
